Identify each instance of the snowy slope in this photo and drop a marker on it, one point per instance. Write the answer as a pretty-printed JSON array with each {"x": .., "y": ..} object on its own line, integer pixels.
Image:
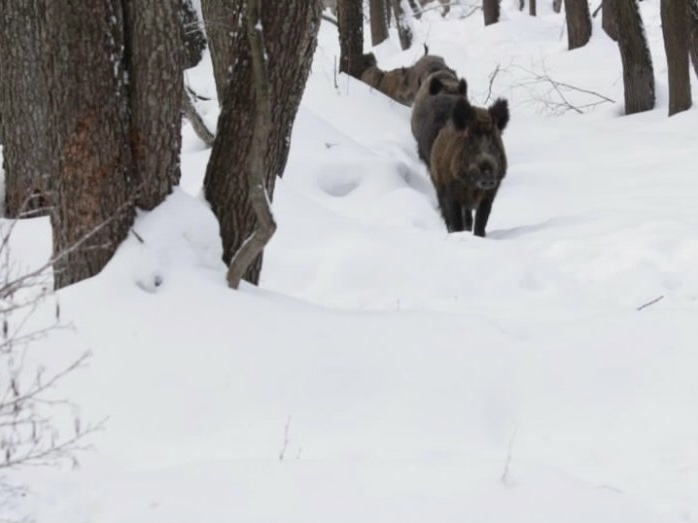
[{"x": 386, "y": 370}]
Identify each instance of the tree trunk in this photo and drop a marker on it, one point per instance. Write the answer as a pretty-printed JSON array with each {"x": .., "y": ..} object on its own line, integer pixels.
[
  {"x": 350, "y": 19},
  {"x": 379, "y": 25},
  {"x": 291, "y": 31},
  {"x": 608, "y": 20},
  {"x": 219, "y": 21},
  {"x": 256, "y": 165},
  {"x": 578, "y": 23},
  {"x": 693, "y": 33},
  {"x": 404, "y": 28},
  {"x": 638, "y": 74},
  {"x": 532, "y": 7},
  {"x": 193, "y": 35},
  {"x": 24, "y": 106},
  {"x": 491, "y": 10},
  {"x": 88, "y": 128},
  {"x": 557, "y": 5},
  {"x": 675, "y": 30},
  {"x": 154, "y": 58}
]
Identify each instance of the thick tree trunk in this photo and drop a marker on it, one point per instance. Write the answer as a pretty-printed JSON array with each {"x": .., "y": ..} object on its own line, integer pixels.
[
  {"x": 154, "y": 61},
  {"x": 88, "y": 128},
  {"x": 379, "y": 24},
  {"x": 490, "y": 8},
  {"x": 608, "y": 20},
  {"x": 350, "y": 19},
  {"x": 24, "y": 106},
  {"x": 291, "y": 33},
  {"x": 675, "y": 30},
  {"x": 219, "y": 21},
  {"x": 193, "y": 35},
  {"x": 404, "y": 28},
  {"x": 638, "y": 74},
  {"x": 578, "y": 23}
]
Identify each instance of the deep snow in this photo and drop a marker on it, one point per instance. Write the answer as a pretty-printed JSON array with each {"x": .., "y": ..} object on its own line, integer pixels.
[{"x": 386, "y": 370}]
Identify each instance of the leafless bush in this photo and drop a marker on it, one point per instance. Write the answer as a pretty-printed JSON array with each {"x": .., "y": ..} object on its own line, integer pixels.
[{"x": 37, "y": 427}]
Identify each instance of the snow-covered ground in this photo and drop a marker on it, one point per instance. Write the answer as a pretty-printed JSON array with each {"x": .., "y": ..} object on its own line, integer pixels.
[{"x": 385, "y": 370}]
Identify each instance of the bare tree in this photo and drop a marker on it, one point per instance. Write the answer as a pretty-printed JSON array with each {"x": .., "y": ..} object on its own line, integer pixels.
[
  {"x": 24, "y": 106},
  {"x": 154, "y": 66},
  {"x": 578, "y": 23},
  {"x": 638, "y": 73},
  {"x": 379, "y": 23},
  {"x": 693, "y": 33},
  {"x": 92, "y": 171},
  {"x": 404, "y": 27},
  {"x": 350, "y": 19},
  {"x": 290, "y": 41},
  {"x": 490, "y": 8},
  {"x": 256, "y": 172},
  {"x": 676, "y": 32},
  {"x": 608, "y": 20},
  {"x": 219, "y": 21}
]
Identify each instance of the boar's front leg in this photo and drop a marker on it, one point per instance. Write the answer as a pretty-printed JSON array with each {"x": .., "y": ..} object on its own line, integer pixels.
[
  {"x": 451, "y": 212},
  {"x": 482, "y": 214}
]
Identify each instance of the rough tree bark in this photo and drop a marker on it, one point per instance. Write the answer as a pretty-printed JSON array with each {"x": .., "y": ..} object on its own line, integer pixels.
[
  {"x": 291, "y": 31},
  {"x": 154, "y": 58},
  {"x": 578, "y": 23},
  {"x": 350, "y": 19},
  {"x": 638, "y": 74},
  {"x": 608, "y": 20},
  {"x": 219, "y": 21},
  {"x": 88, "y": 126},
  {"x": 379, "y": 24},
  {"x": 404, "y": 28},
  {"x": 261, "y": 126},
  {"x": 675, "y": 30},
  {"x": 490, "y": 8},
  {"x": 24, "y": 106}
]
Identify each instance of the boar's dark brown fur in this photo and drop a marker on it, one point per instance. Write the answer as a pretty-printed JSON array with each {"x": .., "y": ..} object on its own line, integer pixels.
[
  {"x": 468, "y": 163},
  {"x": 421, "y": 70},
  {"x": 433, "y": 107}
]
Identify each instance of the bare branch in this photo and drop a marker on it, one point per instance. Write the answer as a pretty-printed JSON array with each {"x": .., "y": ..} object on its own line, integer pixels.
[
  {"x": 197, "y": 123},
  {"x": 650, "y": 303}
]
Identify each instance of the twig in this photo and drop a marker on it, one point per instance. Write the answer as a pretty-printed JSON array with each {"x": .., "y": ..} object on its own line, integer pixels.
[
  {"x": 282, "y": 454},
  {"x": 493, "y": 75},
  {"x": 505, "y": 474},
  {"x": 596, "y": 11},
  {"x": 197, "y": 123},
  {"x": 649, "y": 303},
  {"x": 330, "y": 19}
]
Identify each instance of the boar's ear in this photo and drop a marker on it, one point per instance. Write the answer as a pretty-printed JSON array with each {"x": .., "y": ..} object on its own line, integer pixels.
[
  {"x": 463, "y": 87},
  {"x": 435, "y": 86},
  {"x": 462, "y": 114},
  {"x": 499, "y": 111}
]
